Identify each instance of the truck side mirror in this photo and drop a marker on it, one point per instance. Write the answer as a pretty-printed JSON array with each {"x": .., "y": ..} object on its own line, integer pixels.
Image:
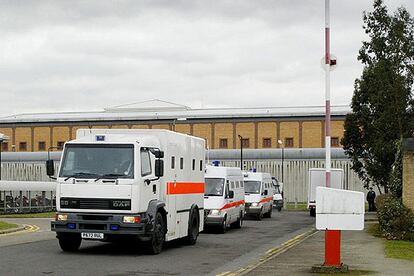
[
  {"x": 50, "y": 168},
  {"x": 231, "y": 194},
  {"x": 159, "y": 168},
  {"x": 264, "y": 192}
]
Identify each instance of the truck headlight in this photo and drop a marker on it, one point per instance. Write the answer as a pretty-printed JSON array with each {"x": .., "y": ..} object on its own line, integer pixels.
[
  {"x": 255, "y": 204},
  {"x": 61, "y": 217},
  {"x": 215, "y": 212},
  {"x": 131, "y": 219}
]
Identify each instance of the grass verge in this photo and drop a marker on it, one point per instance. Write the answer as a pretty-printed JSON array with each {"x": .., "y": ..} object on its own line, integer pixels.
[
  {"x": 399, "y": 250},
  {"x": 30, "y": 215},
  {"x": 298, "y": 207},
  {"x": 393, "y": 248},
  {"x": 5, "y": 225}
]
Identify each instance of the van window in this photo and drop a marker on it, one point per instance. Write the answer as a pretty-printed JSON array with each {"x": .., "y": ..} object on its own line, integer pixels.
[
  {"x": 145, "y": 162},
  {"x": 232, "y": 185},
  {"x": 181, "y": 163},
  {"x": 172, "y": 162},
  {"x": 193, "y": 164},
  {"x": 241, "y": 184},
  {"x": 252, "y": 187},
  {"x": 201, "y": 165},
  {"x": 237, "y": 184}
]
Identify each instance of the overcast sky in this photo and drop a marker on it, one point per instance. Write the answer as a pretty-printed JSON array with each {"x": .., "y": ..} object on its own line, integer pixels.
[{"x": 87, "y": 55}]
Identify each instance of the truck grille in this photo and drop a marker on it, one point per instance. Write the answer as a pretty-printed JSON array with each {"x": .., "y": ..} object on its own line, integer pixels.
[{"x": 95, "y": 203}]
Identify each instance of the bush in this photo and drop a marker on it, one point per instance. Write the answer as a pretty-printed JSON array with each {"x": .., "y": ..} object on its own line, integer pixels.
[{"x": 396, "y": 221}]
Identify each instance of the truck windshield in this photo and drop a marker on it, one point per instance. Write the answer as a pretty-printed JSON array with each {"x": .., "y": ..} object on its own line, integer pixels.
[
  {"x": 213, "y": 186},
  {"x": 252, "y": 187},
  {"x": 98, "y": 161}
]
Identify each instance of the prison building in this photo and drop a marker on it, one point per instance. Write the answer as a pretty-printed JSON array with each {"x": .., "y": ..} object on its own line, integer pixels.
[{"x": 222, "y": 128}]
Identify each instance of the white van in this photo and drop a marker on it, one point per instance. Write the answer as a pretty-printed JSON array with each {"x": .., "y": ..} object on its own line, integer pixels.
[
  {"x": 126, "y": 183},
  {"x": 258, "y": 194},
  {"x": 223, "y": 198}
]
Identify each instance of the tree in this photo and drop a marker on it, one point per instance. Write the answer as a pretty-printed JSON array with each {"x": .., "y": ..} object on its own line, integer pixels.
[{"x": 382, "y": 104}]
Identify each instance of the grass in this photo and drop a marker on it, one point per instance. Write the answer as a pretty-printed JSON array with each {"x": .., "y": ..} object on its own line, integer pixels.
[
  {"x": 399, "y": 250},
  {"x": 5, "y": 225},
  {"x": 300, "y": 206},
  {"x": 30, "y": 215},
  {"x": 393, "y": 248}
]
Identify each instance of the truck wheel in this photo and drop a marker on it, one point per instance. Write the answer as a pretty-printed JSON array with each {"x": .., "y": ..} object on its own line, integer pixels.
[
  {"x": 156, "y": 243},
  {"x": 238, "y": 223},
  {"x": 193, "y": 227},
  {"x": 69, "y": 242},
  {"x": 279, "y": 209},
  {"x": 312, "y": 212}
]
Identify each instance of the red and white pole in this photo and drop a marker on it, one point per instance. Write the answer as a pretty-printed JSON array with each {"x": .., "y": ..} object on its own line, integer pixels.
[{"x": 332, "y": 237}]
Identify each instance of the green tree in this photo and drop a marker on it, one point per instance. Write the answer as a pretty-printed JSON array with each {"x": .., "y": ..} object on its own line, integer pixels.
[{"x": 382, "y": 104}]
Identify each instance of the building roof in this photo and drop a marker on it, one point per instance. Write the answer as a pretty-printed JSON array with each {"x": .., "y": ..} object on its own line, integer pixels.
[{"x": 161, "y": 110}]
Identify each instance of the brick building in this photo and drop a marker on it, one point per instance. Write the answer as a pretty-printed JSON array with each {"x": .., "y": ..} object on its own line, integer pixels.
[{"x": 297, "y": 127}]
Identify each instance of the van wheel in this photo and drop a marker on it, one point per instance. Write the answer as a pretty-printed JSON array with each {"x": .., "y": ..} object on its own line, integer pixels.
[
  {"x": 312, "y": 212},
  {"x": 223, "y": 227},
  {"x": 279, "y": 209},
  {"x": 156, "y": 243},
  {"x": 269, "y": 214},
  {"x": 259, "y": 216},
  {"x": 193, "y": 227},
  {"x": 69, "y": 242},
  {"x": 238, "y": 223}
]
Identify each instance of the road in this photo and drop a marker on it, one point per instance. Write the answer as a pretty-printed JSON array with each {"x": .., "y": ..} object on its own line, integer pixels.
[{"x": 39, "y": 254}]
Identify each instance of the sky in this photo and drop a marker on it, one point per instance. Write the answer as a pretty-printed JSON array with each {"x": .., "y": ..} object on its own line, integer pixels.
[{"x": 58, "y": 56}]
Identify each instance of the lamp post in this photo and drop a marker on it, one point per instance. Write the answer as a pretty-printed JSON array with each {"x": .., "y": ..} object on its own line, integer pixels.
[
  {"x": 241, "y": 151},
  {"x": 178, "y": 119},
  {"x": 283, "y": 156},
  {"x": 2, "y": 139}
]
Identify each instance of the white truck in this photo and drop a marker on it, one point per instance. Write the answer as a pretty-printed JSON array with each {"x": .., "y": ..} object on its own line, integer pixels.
[
  {"x": 145, "y": 185},
  {"x": 259, "y": 192},
  {"x": 317, "y": 177},
  {"x": 278, "y": 194},
  {"x": 223, "y": 198}
]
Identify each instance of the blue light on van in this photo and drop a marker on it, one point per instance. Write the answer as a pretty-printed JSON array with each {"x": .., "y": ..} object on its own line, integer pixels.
[
  {"x": 71, "y": 225},
  {"x": 100, "y": 138},
  {"x": 216, "y": 163},
  {"x": 114, "y": 227},
  {"x": 254, "y": 170}
]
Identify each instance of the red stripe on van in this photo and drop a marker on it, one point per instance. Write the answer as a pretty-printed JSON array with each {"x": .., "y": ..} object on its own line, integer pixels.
[
  {"x": 233, "y": 204},
  {"x": 266, "y": 199},
  {"x": 179, "y": 188}
]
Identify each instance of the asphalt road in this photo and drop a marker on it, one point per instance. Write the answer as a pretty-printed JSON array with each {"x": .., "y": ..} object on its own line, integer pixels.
[{"x": 39, "y": 253}]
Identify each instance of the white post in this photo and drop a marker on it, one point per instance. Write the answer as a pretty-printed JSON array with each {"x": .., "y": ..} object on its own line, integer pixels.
[{"x": 327, "y": 97}]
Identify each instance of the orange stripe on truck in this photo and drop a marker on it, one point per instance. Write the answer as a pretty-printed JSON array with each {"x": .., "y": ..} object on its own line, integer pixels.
[
  {"x": 266, "y": 199},
  {"x": 232, "y": 204},
  {"x": 180, "y": 188}
]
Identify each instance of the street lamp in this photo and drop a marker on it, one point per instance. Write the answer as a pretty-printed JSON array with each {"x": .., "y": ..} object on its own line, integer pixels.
[
  {"x": 241, "y": 151},
  {"x": 2, "y": 139},
  {"x": 283, "y": 156}
]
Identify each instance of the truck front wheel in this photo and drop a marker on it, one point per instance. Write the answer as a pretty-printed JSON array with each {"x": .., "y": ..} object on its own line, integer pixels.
[
  {"x": 69, "y": 242},
  {"x": 312, "y": 212},
  {"x": 158, "y": 235}
]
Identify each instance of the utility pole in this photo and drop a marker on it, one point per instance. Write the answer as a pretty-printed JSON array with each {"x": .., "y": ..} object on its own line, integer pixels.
[{"x": 332, "y": 237}]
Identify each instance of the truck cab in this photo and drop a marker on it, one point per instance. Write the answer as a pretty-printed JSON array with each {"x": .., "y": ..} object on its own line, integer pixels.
[
  {"x": 145, "y": 185},
  {"x": 258, "y": 194},
  {"x": 223, "y": 198}
]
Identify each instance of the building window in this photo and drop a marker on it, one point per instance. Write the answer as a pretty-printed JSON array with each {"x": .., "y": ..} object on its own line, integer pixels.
[
  {"x": 42, "y": 146},
  {"x": 335, "y": 141},
  {"x": 223, "y": 143},
  {"x": 22, "y": 146},
  {"x": 289, "y": 142},
  {"x": 60, "y": 145},
  {"x": 245, "y": 142},
  {"x": 4, "y": 146},
  {"x": 267, "y": 142}
]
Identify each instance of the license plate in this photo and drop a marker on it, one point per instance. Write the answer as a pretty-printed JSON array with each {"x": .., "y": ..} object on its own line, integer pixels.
[{"x": 93, "y": 236}]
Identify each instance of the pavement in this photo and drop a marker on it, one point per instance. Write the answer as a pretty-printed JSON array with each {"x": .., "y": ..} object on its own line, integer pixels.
[
  {"x": 38, "y": 253},
  {"x": 363, "y": 253}
]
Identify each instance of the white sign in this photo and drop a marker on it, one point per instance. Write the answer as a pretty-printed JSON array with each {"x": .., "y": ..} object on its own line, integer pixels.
[{"x": 339, "y": 209}]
